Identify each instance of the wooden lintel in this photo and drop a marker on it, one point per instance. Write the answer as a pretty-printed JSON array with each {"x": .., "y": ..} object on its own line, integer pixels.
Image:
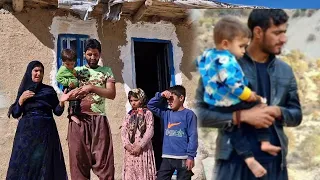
[
  {"x": 142, "y": 9},
  {"x": 43, "y": 2},
  {"x": 187, "y": 21},
  {"x": 17, "y": 5}
]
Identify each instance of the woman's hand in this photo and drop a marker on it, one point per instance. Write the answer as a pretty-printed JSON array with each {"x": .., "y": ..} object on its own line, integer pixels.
[
  {"x": 64, "y": 97},
  {"x": 25, "y": 95},
  {"x": 136, "y": 150},
  {"x": 128, "y": 147}
]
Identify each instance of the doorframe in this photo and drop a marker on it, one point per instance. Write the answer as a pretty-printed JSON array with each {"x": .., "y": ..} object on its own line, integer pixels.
[{"x": 170, "y": 58}]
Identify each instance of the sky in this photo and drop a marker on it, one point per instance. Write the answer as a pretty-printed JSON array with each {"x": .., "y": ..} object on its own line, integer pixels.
[{"x": 282, "y": 4}]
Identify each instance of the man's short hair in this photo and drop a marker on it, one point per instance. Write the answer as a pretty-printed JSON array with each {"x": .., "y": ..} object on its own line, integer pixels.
[
  {"x": 265, "y": 17},
  {"x": 92, "y": 44}
]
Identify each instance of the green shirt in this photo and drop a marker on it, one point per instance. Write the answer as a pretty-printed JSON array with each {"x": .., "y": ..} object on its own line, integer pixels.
[
  {"x": 66, "y": 76},
  {"x": 93, "y": 103}
]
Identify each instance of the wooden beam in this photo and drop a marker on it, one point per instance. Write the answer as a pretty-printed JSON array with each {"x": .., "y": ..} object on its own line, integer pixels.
[
  {"x": 17, "y": 5},
  {"x": 142, "y": 9},
  {"x": 53, "y": 3},
  {"x": 188, "y": 21},
  {"x": 155, "y": 19}
]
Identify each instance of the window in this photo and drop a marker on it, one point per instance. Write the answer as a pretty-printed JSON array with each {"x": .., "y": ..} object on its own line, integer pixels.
[{"x": 75, "y": 42}]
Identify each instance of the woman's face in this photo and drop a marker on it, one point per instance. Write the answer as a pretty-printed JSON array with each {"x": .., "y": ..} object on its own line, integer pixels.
[
  {"x": 37, "y": 74},
  {"x": 135, "y": 102}
]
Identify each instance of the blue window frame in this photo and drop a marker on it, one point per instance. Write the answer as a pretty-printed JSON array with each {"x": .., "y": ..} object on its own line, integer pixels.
[
  {"x": 170, "y": 53},
  {"x": 75, "y": 42}
]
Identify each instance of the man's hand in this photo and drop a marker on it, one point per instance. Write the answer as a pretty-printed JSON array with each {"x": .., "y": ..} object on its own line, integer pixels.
[
  {"x": 189, "y": 164},
  {"x": 259, "y": 116},
  {"x": 166, "y": 94},
  {"x": 275, "y": 111},
  {"x": 83, "y": 91},
  {"x": 73, "y": 94},
  {"x": 86, "y": 88}
]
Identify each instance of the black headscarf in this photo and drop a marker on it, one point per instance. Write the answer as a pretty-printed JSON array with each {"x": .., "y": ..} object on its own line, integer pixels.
[{"x": 27, "y": 83}]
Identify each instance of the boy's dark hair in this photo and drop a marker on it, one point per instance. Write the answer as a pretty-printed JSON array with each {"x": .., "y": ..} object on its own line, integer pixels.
[
  {"x": 68, "y": 55},
  {"x": 228, "y": 28},
  {"x": 92, "y": 44},
  {"x": 264, "y": 18},
  {"x": 178, "y": 90}
]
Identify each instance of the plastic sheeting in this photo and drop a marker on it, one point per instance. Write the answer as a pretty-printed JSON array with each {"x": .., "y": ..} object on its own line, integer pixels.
[{"x": 111, "y": 8}]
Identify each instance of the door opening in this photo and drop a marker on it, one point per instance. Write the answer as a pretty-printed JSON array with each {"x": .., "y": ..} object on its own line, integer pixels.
[{"x": 153, "y": 70}]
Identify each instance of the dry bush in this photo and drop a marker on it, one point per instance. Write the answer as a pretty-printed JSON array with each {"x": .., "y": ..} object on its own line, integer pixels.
[
  {"x": 297, "y": 61},
  {"x": 311, "y": 38},
  {"x": 291, "y": 138},
  {"x": 296, "y": 13},
  {"x": 318, "y": 63},
  {"x": 311, "y": 12},
  {"x": 310, "y": 151}
]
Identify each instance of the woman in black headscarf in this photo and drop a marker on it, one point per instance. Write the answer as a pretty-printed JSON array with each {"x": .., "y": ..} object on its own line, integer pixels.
[{"x": 37, "y": 152}]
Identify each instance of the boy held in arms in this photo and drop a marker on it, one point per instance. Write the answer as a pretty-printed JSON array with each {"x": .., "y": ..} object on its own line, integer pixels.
[
  {"x": 226, "y": 87},
  {"x": 180, "y": 140},
  {"x": 67, "y": 76}
]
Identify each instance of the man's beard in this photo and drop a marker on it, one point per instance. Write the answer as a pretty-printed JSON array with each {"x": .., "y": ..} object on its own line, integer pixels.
[
  {"x": 93, "y": 64},
  {"x": 268, "y": 48}
]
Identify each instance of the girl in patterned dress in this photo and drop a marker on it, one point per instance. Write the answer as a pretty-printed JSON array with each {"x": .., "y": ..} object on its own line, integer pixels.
[{"x": 136, "y": 134}]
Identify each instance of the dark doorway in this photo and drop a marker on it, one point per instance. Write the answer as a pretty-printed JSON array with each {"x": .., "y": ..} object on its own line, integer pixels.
[{"x": 153, "y": 75}]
